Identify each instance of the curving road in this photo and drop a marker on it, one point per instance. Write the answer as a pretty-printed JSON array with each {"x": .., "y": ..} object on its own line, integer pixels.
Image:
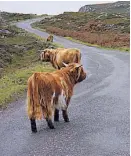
[{"x": 99, "y": 111}]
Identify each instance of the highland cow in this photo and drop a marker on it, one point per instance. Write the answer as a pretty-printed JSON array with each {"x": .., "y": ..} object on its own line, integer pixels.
[
  {"x": 57, "y": 56},
  {"x": 50, "y": 92}
]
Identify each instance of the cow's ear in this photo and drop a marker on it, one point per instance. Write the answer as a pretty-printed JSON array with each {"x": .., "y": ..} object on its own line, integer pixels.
[{"x": 65, "y": 64}]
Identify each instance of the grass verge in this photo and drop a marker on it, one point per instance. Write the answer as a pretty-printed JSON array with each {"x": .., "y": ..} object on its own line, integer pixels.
[
  {"x": 13, "y": 85},
  {"x": 44, "y": 40},
  {"x": 98, "y": 46},
  {"x": 20, "y": 52},
  {"x": 123, "y": 49},
  {"x": 41, "y": 38}
]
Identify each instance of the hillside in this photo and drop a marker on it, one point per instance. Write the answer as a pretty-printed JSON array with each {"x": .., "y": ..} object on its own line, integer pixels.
[
  {"x": 19, "y": 58},
  {"x": 116, "y": 7},
  {"x": 14, "y": 41},
  {"x": 104, "y": 29},
  {"x": 11, "y": 17}
]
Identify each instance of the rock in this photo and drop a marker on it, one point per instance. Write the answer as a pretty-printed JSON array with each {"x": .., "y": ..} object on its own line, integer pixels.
[{"x": 116, "y": 7}]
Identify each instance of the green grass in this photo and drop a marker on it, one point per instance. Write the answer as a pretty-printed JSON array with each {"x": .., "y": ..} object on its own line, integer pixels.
[
  {"x": 11, "y": 17},
  {"x": 12, "y": 85},
  {"x": 98, "y": 46},
  {"x": 14, "y": 76},
  {"x": 43, "y": 39},
  {"x": 58, "y": 45},
  {"x": 37, "y": 37},
  {"x": 19, "y": 40},
  {"x": 34, "y": 25},
  {"x": 14, "y": 80}
]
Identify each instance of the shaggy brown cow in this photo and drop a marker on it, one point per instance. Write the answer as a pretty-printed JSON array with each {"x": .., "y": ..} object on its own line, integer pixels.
[
  {"x": 49, "y": 92},
  {"x": 60, "y": 55},
  {"x": 50, "y": 38}
]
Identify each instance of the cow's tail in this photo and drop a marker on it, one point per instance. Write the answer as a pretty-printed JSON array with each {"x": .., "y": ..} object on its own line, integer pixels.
[
  {"x": 78, "y": 57},
  {"x": 34, "y": 108}
]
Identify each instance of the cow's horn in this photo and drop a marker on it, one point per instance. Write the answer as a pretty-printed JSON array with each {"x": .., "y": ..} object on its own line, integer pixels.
[
  {"x": 65, "y": 64},
  {"x": 79, "y": 65}
]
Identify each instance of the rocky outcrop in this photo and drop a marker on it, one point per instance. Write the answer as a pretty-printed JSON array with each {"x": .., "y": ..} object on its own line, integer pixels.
[{"x": 117, "y": 7}]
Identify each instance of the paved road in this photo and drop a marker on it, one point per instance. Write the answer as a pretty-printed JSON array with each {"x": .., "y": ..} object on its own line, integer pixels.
[{"x": 99, "y": 112}]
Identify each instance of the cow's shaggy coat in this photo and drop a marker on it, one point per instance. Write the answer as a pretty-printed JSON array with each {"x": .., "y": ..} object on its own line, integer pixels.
[
  {"x": 50, "y": 38},
  {"x": 60, "y": 55},
  {"x": 49, "y": 92}
]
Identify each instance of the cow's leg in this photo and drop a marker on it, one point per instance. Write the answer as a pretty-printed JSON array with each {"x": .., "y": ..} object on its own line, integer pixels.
[
  {"x": 64, "y": 110},
  {"x": 33, "y": 125},
  {"x": 50, "y": 112},
  {"x": 65, "y": 115},
  {"x": 50, "y": 123},
  {"x": 56, "y": 115}
]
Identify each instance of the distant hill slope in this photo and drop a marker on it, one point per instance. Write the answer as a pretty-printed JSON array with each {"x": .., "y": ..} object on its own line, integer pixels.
[
  {"x": 117, "y": 7},
  {"x": 106, "y": 25},
  {"x": 104, "y": 29},
  {"x": 10, "y": 17}
]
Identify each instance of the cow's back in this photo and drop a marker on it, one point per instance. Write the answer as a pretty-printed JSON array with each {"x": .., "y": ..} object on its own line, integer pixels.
[
  {"x": 49, "y": 83},
  {"x": 69, "y": 55}
]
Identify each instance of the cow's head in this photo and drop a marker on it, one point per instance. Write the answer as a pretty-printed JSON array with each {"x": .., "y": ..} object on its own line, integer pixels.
[
  {"x": 50, "y": 38},
  {"x": 76, "y": 71},
  {"x": 45, "y": 55}
]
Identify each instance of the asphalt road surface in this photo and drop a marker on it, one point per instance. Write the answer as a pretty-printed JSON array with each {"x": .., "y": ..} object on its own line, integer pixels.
[{"x": 99, "y": 111}]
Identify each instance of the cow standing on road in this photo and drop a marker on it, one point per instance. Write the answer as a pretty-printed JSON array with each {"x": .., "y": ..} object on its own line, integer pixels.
[
  {"x": 60, "y": 55},
  {"x": 49, "y": 92},
  {"x": 50, "y": 38}
]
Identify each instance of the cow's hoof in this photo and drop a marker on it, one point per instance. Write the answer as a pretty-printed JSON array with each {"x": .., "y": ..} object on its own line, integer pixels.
[
  {"x": 50, "y": 124},
  {"x": 52, "y": 127},
  {"x": 67, "y": 120},
  {"x": 56, "y": 120},
  {"x": 34, "y": 130}
]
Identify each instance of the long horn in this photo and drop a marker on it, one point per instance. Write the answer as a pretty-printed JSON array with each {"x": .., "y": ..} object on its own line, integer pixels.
[{"x": 65, "y": 64}]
